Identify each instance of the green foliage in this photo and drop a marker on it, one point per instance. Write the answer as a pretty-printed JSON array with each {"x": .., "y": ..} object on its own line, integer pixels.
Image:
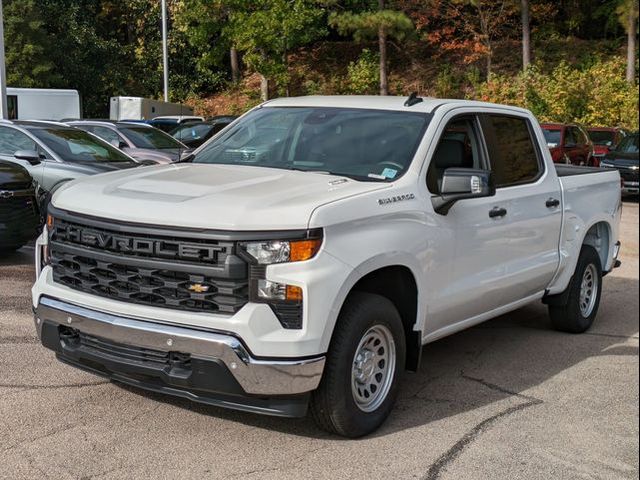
[
  {"x": 265, "y": 30},
  {"x": 595, "y": 95},
  {"x": 363, "y": 75},
  {"x": 366, "y": 25},
  {"x": 28, "y": 50},
  {"x": 447, "y": 84}
]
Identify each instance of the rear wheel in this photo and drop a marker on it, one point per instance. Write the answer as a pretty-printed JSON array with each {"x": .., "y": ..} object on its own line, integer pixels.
[
  {"x": 364, "y": 363},
  {"x": 583, "y": 295}
]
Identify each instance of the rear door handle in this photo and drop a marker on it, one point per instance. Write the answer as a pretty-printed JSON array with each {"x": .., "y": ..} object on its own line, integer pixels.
[
  {"x": 552, "y": 203},
  {"x": 497, "y": 212}
]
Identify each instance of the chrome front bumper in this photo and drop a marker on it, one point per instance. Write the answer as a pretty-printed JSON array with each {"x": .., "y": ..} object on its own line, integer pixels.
[{"x": 255, "y": 376}]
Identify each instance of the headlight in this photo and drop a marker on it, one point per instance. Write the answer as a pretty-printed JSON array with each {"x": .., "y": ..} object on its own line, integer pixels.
[
  {"x": 281, "y": 251},
  {"x": 285, "y": 300}
]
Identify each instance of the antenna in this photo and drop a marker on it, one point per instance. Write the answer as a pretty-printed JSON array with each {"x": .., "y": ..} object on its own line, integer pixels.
[{"x": 413, "y": 99}]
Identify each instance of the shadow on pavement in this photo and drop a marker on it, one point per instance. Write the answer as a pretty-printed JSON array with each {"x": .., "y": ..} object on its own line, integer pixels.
[
  {"x": 502, "y": 358},
  {"x": 21, "y": 257}
]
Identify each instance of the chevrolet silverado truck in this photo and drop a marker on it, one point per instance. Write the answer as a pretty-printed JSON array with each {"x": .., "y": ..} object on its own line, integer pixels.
[{"x": 300, "y": 259}]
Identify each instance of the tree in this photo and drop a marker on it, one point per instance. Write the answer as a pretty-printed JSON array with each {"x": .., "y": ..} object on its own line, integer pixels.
[
  {"x": 203, "y": 22},
  {"x": 265, "y": 31},
  {"x": 628, "y": 12},
  {"x": 526, "y": 34},
  {"x": 28, "y": 48},
  {"x": 380, "y": 23}
]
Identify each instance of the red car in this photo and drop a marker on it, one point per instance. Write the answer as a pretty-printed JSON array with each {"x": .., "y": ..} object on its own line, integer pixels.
[
  {"x": 568, "y": 143},
  {"x": 604, "y": 140}
]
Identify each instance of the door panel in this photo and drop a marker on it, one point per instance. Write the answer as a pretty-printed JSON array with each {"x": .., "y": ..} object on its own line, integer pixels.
[
  {"x": 473, "y": 282},
  {"x": 532, "y": 231}
]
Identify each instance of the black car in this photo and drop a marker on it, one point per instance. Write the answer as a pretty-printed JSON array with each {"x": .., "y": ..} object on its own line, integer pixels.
[
  {"x": 19, "y": 215},
  {"x": 194, "y": 134},
  {"x": 625, "y": 158}
]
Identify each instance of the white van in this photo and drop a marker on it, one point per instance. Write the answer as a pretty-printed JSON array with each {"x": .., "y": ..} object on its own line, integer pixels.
[
  {"x": 42, "y": 104},
  {"x": 138, "y": 108}
]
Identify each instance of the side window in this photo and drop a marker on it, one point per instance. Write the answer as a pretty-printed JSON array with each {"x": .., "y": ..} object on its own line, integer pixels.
[
  {"x": 580, "y": 136},
  {"x": 458, "y": 147},
  {"x": 13, "y": 140},
  {"x": 570, "y": 137},
  {"x": 12, "y": 107},
  {"x": 105, "y": 134},
  {"x": 512, "y": 153}
]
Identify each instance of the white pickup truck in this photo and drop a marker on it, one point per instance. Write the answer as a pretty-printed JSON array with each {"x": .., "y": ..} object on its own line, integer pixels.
[{"x": 303, "y": 256}]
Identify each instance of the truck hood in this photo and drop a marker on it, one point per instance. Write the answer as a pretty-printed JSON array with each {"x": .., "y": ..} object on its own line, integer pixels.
[{"x": 225, "y": 197}]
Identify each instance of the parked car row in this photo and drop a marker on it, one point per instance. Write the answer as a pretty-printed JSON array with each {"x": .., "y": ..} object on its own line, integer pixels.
[
  {"x": 37, "y": 157},
  {"x": 624, "y": 157},
  {"x": 573, "y": 144}
]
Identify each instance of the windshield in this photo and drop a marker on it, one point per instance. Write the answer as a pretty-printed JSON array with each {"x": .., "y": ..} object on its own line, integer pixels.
[
  {"x": 602, "y": 137},
  {"x": 628, "y": 144},
  {"x": 552, "y": 137},
  {"x": 148, "y": 137},
  {"x": 75, "y": 145},
  {"x": 362, "y": 144},
  {"x": 192, "y": 131}
]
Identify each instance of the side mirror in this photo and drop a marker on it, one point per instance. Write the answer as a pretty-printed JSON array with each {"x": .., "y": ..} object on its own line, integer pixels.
[
  {"x": 461, "y": 184},
  {"x": 30, "y": 156},
  {"x": 118, "y": 144}
]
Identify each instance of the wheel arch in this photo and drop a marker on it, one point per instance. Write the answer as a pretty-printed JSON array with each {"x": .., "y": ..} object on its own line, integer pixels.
[
  {"x": 399, "y": 282},
  {"x": 598, "y": 236}
]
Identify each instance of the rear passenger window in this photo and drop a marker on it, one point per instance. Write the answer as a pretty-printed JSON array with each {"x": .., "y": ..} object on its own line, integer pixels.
[{"x": 513, "y": 156}]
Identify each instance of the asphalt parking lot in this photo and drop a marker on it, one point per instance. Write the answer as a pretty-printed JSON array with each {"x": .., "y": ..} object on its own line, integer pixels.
[{"x": 508, "y": 399}]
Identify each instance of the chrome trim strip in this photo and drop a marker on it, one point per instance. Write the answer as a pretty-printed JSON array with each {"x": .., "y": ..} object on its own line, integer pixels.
[{"x": 259, "y": 377}]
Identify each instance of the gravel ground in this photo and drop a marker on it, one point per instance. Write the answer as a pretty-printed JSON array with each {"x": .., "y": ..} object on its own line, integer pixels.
[{"x": 507, "y": 399}]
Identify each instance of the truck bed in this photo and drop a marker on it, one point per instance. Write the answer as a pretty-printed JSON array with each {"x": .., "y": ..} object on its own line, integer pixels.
[{"x": 571, "y": 170}]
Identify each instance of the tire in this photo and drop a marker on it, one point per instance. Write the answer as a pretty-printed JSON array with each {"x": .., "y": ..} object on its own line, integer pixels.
[
  {"x": 578, "y": 314},
  {"x": 339, "y": 405}
]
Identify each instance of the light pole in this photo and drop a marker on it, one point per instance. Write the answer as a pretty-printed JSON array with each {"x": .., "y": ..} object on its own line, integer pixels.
[
  {"x": 3, "y": 76},
  {"x": 165, "y": 51}
]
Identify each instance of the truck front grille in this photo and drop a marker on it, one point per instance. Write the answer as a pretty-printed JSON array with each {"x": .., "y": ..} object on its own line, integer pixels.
[{"x": 178, "y": 272}]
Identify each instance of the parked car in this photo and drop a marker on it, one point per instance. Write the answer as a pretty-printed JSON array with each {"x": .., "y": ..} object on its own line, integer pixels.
[
  {"x": 624, "y": 158},
  {"x": 54, "y": 153},
  {"x": 19, "y": 215},
  {"x": 604, "y": 140},
  {"x": 194, "y": 134},
  {"x": 568, "y": 144},
  {"x": 313, "y": 272},
  {"x": 139, "y": 140},
  {"x": 170, "y": 122}
]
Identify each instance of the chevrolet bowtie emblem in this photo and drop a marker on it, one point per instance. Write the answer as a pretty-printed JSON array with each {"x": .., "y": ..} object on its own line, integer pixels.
[{"x": 198, "y": 288}]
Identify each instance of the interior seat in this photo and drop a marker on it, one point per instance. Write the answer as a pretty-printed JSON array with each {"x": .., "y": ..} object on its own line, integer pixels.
[{"x": 449, "y": 154}]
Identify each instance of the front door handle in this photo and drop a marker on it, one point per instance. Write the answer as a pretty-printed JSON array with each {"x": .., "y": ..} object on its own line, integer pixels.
[
  {"x": 497, "y": 212},
  {"x": 552, "y": 203}
]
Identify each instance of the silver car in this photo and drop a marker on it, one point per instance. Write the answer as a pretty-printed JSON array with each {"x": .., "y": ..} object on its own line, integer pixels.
[
  {"x": 54, "y": 153},
  {"x": 139, "y": 140}
]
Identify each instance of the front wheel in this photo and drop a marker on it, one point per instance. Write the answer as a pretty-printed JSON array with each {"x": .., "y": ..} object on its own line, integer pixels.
[
  {"x": 583, "y": 295},
  {"x": 364, "y": 364}
]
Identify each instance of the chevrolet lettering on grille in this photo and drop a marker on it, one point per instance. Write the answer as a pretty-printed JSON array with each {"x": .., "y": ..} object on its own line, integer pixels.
[{"x": 142, "y": 246}]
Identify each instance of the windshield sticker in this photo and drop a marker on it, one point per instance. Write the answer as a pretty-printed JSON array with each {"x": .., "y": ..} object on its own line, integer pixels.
[
  {"x": 389, "y": 173},
  {"x": 376, "y": 176}
]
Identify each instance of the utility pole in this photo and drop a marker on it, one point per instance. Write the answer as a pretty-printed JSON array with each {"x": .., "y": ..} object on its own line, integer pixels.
[
  {"x": 3, "y": 75},
  {"x": 165, "y": 51}
]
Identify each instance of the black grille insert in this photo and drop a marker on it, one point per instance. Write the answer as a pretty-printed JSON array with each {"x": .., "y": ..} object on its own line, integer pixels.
[
  {"x": 148, "y": 286},
  {"x": 194, "y": 274}
]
